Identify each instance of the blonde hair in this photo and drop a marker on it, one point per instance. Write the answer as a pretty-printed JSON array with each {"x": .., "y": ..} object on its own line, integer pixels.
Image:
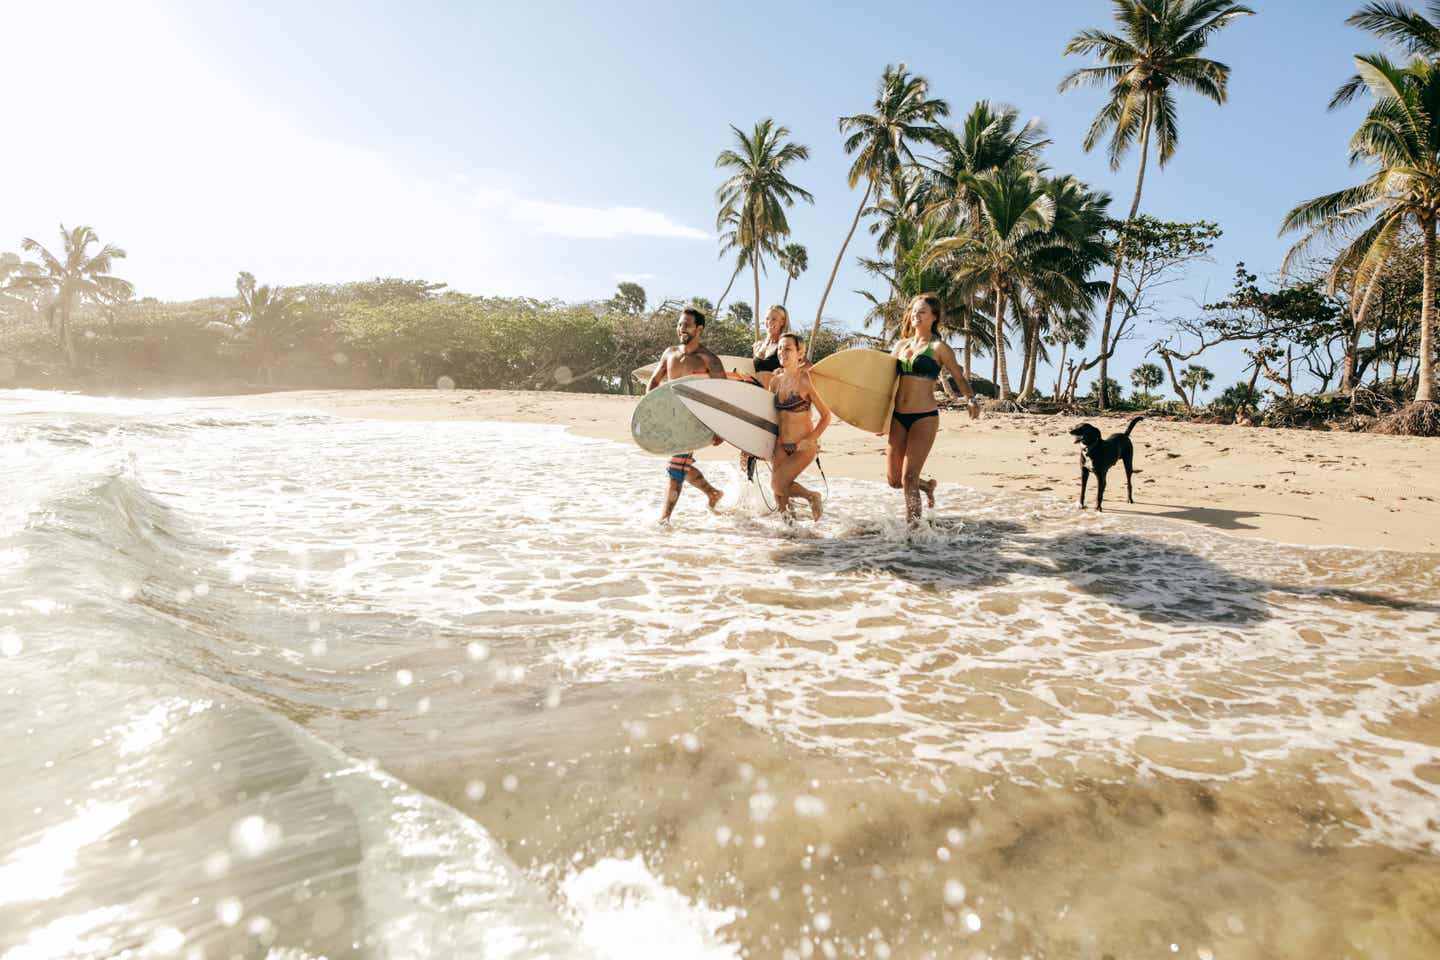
[{"x": 783, "y": 312}]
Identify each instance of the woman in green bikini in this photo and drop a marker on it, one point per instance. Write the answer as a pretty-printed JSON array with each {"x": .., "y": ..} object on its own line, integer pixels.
[{"x": 919, "y": 357}]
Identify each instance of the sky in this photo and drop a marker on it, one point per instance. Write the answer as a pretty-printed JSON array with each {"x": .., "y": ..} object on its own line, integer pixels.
[{"x": 554, "y": 149}]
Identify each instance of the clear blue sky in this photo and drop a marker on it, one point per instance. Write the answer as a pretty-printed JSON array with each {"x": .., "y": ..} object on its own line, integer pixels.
[{"x": 550, "y": 149}]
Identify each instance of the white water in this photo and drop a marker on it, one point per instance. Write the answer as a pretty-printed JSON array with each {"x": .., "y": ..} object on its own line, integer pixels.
[{"x": 255, "y": 663}]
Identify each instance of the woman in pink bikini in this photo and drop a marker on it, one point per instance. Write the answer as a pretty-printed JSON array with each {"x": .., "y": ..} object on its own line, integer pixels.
[{"x": 798, "y": 443}]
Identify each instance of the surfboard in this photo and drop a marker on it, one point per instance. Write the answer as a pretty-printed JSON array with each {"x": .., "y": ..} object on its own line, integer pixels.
[
  {"x": 859, "y": 386},
  {"x": 662, "y": 424},
  {"x": 742, "y": 414},
  {"x": 732, "y": 365}
]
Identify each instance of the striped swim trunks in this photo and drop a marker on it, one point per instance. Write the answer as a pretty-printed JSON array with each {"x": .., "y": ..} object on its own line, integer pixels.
[{"x": 680, "y": 465}]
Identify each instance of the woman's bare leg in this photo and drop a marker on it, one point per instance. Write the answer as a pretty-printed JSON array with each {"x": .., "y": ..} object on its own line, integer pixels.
[{"x": 920, "y": 438}]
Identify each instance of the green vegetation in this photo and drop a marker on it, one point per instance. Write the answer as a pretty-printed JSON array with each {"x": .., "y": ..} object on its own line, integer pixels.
[{"x": 1016, "y": 251}]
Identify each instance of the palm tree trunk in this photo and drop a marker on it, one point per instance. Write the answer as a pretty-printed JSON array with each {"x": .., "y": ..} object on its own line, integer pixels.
[
  {"x": 969, "y": 312},
  {"x": 815, "y": 329},
  {"x": 1033, "y": 358},
  {"x": 1002, "y": 376},
  {"x": 1120, "y": 258},
  {"x": 1352, "y": 342},
  {"x": 67, "y": 336},
  {"x": 727, "y": 289},
  {"x": 786, "y": 298},
  {"x": 1425, "y": 391},
  {"x": 1060, "y": 367},
  {"x": 755, "y": 269}
]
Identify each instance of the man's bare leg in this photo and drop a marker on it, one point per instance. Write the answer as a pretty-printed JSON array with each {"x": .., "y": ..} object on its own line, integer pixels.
[{"x": 672, "y": 496}]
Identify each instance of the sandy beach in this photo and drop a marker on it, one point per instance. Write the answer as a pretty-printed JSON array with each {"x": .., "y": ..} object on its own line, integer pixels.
[{"x": 1292, "y": 486}]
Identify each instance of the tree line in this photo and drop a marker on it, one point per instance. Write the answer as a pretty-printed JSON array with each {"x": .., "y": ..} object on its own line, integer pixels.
[{"x": 1031, "y": 263}]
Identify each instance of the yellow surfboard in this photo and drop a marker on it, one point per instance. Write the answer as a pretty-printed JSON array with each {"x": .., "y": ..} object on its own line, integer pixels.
[{"x": 859, "y": 385}]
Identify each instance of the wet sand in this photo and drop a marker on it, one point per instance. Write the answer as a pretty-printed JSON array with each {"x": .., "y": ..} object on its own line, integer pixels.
[{"x": 1293, "y": 486}]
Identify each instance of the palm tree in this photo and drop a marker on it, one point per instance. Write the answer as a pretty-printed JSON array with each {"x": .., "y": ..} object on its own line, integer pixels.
[
  {"x": 903, "y": 113},
  {"x": 1158, "y": 49},
  {"x": 1015, "y": 214},
  {"x": 1196, "y": 377},
  {"x": 1415, "y": 34},
  {"x": 794, "y": 260},
  {"x": 1147, "y": 376},
  {"x": 265, "y": 318},
  {"x": 78, "y": 275},
  {"x": 756, "y": 194},
  {"x": 989, "y": 137},
  {"x": 1061, "y": 262},
  {"x": 1400, "y": 138}
]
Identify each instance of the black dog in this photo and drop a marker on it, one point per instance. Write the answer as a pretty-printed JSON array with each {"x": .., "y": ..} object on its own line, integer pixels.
[{"x": 1100, "y": 455}]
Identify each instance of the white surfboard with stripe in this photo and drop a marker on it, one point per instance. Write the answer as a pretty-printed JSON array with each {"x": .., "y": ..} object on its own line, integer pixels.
[{"x": 740, "y": 413}]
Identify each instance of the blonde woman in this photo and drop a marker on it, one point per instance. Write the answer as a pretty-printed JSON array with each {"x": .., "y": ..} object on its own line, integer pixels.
[
  {"x": 767, "y": 352},
  {"x": 920, "y": 354}
]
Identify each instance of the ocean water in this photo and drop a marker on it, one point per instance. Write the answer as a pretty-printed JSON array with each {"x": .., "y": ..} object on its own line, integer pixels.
[{"x": 291, "y": 686}]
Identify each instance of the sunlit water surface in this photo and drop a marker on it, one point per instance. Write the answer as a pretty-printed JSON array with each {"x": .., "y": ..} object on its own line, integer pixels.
[{"x": 292, "y": 686}]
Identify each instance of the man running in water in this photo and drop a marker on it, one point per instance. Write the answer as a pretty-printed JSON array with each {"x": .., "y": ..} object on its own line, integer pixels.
[{"x": 687, "y": 359}]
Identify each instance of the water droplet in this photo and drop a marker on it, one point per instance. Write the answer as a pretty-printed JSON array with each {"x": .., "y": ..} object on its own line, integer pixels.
[
  {"x": 404, "y": 677},
  {"x": 943, "y": 854},
  {"x": 10, "y": 643},
  {"x": 217, "y": 865},
  {"x": 723, "y": 835},
  {"x": 253, "y": 836},
  {"x": 165, "y": 942},
  {"x": 475, "y": 789},
  {"x": 972, "y": 921},
  {"x": 510, "y": 783},
  {"x": 228, "y": 911},
  {"x": 955, "y": 895},
  {"x": 690, "y": 743},
  {"x": 476, "y": 650},
  {"x": 822, "y": 922},
  {"x": 808, "y": 806},
  {"x": 445, "y": 383}
]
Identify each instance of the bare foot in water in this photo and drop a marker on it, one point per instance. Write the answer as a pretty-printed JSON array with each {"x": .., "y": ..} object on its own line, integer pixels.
[
  {"x": 716, "y": 494},
  {"x": 927, "y": 487},
  {"x": 817, "y": 507}
]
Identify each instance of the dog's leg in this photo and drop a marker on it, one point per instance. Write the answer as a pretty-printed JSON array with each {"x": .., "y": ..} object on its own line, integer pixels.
[
  {"x": 1084, "y": 476},
  {"x": 1129, "y": 469},
  {"x": 1099, "y": 491}
]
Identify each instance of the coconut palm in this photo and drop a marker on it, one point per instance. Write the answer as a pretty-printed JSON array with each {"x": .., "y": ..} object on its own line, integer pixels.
[
  {"x": 904, "y": 113},
  {"x": 1415, "y": 34},
  {"x": 1195, "y": 377},
  {"x": 989, "y": 137},
  {"x": 1156, "y": 51},
  {"x": 1058, "y": 276},
  {"x": 757, "y": 192},
  {"x": 794, "y": 260},
  {"x": 78, "y": 275},
  {"x": 1400, "y": 139},
  {"x": 265, "y": 318},
  {"x": 1015, "y": 213}
]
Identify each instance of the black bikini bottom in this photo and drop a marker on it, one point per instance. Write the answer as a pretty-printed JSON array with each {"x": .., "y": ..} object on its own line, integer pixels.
[{"x": 908, "y": 420}]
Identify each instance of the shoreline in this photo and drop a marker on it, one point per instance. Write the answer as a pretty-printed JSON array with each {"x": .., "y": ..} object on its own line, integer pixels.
[{"x": 1308, "y": 488}]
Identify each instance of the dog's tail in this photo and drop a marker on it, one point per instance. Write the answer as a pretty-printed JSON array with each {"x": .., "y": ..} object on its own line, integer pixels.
[{"x": 1133, "y": 421}]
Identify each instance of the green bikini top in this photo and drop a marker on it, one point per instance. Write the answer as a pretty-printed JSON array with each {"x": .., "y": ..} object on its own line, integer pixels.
[{"x": 923, "y": 364}]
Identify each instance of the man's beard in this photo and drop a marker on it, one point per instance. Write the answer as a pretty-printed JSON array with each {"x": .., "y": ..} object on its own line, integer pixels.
[{"x": 686, "y": 338}]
